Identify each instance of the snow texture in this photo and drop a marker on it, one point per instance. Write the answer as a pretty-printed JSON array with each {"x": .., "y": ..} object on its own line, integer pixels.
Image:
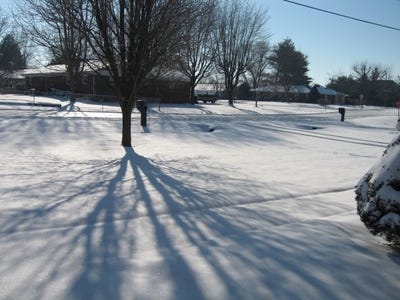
[
  {"x": 378, "y": 195},
  {"x": 260, "y": 207}
]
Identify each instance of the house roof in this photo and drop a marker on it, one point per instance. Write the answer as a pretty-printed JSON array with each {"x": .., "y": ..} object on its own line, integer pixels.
[
  {"x": 327, "y": 91},
  {"x": 299, "y": 89},
  {"x": 173, "y": 75},
  {"x": 53, "y": 70},
  {"x": 208, "y": 88},
  {"x": 45, "y": 70},
  {"x": 17, "y": 74}
]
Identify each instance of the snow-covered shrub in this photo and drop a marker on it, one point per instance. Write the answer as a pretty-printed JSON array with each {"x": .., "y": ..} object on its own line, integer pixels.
[{"x": 378, "y": 195}]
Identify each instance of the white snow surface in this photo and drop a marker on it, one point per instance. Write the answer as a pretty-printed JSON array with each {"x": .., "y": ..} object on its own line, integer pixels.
[{"x": 262, "y": 207}]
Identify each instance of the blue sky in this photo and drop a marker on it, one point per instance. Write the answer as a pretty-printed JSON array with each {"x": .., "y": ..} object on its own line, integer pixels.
[{"x": 334, "y": 44}]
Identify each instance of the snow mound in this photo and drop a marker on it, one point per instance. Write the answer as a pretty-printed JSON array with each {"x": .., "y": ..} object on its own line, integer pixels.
[{"x": 378, "y": 195}]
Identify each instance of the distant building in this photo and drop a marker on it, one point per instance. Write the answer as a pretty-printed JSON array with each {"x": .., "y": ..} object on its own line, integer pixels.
[
  {"x": 299, "y": 93},
  {"x": 209, "y": 92},
  {"x": 171, "y": 87},
  {"x": 12, "y": 80},
  {"x": 277, "y": 92},
  {"x": 328, "y": 96}
]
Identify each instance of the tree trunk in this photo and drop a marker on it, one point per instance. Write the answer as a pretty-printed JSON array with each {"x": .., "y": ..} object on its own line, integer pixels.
[
  {"x": 230, "y": 101},
  {"x": 126, "y": 108},
  {"x": 287, "y": 90},
  {"x": 229, "y": 90},
  {"x": 73, "y": 82},
  {"x": 193, "y": 99}
]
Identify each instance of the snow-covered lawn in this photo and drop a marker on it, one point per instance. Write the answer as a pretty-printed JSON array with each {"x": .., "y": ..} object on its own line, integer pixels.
[{"x": 262, "y": 207}]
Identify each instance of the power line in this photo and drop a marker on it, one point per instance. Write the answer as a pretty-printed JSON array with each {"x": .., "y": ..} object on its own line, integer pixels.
[{"x": 343, "y": 16}]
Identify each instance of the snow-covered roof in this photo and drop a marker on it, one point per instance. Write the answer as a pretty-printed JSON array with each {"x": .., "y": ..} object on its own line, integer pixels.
[
  {"x": 173, "y": 75},
  {"x": 327, "y": 91},
  {"x": 46, "y": 70},
  {"x": 17, "y": 74},
  {"x": 62, "y": 69},
  {"x": 300, "y": 89},
  {"x": 208, "y": 88}
]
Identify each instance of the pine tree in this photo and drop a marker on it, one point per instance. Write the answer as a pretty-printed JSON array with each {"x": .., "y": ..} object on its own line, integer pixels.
[
  {"x": 289, "y": 66},
  {"x": 11, "y": 58}
]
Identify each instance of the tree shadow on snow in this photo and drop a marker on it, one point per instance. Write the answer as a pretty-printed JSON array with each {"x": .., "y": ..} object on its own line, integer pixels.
[
  {"x": 245, "y": 259},
  {"x": 101, "y": 276},
  {"x": 106, "y": 257},
  {"x": 181, "y": 225}
]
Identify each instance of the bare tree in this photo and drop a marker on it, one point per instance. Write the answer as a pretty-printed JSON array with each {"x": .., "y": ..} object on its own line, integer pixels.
[
  {"x": 53, "y": 24},
  {"x": 238, "y": 26},
  {"x": 258, "y": 62},
  {"x": 4, "y": 23},
  {"x": 195, "y": 58},
  {"x": 368, "y": 76},
  {"x": 132, "y": 38}
]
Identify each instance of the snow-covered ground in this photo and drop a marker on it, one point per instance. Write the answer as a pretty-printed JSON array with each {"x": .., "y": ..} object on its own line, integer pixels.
[{"x": 261, "y": 207}]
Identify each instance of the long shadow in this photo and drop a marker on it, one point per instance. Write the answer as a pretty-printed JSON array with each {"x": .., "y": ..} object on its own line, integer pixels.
[
  {"x": 186, "y": 212},
  {"x": 101, "y": 276},
  {"x": 195, "y": 228},
  {"x": 143, "y": 170}
]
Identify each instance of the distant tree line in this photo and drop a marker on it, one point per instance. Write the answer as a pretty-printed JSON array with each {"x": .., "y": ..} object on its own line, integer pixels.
[{"x": 368, "y": 83}]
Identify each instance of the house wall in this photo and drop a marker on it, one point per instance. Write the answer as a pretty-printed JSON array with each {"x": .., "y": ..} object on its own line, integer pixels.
[
  {"x": 167, "y": 90},
  {"x": 46, "y": 83},
  {"x": 92, "y": 84}
]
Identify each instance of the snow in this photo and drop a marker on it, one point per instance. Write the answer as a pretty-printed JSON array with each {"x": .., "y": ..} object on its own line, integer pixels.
[
  {"x": 378, "y": 197},
  {"x": 262, "y": 207}
]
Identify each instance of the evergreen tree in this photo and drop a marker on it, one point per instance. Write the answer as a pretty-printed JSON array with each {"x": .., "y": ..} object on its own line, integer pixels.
[
  {"x": 289, "y": 66},
  {"x": 11, "y": 57},
  {"x": 378, "y": 194}
]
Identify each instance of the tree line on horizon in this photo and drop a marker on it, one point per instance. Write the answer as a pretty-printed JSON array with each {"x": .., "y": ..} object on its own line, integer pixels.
[{"x": 221, "y": 40}]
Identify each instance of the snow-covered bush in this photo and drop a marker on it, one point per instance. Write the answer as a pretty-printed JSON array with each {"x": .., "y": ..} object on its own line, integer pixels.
[{"x": 378, "y": 195}]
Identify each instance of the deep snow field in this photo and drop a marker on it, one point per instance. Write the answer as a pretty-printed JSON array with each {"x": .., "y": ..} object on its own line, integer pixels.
[{"x": 212, "y": 202}]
